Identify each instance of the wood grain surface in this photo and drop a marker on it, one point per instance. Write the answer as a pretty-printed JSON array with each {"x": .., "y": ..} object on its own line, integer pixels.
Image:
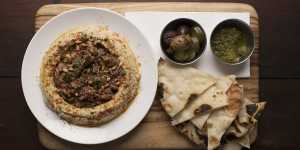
[{"x": 155, "y": 127}]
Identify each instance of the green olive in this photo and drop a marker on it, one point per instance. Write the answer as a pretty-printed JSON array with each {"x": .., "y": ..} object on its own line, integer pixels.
[
  {"x": 191, "y": 54},
  {"x": 195, "y": 46},
  {"x": 197, "y": 32}
]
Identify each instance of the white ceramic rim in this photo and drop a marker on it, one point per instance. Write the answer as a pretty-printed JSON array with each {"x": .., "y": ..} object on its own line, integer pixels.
[{"x": 36, "y": 114}]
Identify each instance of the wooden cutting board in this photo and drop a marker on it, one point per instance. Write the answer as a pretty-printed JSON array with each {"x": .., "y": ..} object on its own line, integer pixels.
[{"x": 155, "y": 130}]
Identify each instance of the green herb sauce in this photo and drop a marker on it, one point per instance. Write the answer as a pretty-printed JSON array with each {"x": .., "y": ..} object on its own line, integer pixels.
[{"x": 230, "y": 44}]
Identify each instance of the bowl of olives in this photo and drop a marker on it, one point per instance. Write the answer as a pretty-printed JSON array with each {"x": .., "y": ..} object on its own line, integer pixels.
[
  {"x": 232, "y": 41},
  {"x": 183, "y": 41}
]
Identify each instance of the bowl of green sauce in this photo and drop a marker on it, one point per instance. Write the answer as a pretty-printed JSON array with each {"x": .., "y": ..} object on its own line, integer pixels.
[
  {"x": 183, "y": 41},
  {"x": 232, "y": 41}
]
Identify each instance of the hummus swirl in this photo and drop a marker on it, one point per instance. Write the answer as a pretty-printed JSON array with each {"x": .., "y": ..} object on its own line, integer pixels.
[{"x": 89, "y": 75}]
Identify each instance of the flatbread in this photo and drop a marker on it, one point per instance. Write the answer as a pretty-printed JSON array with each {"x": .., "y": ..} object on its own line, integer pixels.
[
  {"x": 221, "y": 119},
  {"x": 190, "y": 131},
  {"x": 252, "y": 134},
  {"x": 213, "y": 98},
  {"x": 243, "y": 141},
  {"x": 181, "y": 84},
  {"x": 238, "y": 130},
  {"x": 247, "y": 120},
  {"x": 247, "y": 139},
  {"x": 243, "y": 117},
  {"x": 254, "y": 111},
  {"x": 245, "y": 132},
  {"x": 199, "y": 121},
  {"x": 205, "y": 109},
  {"x": 241, "y": 125}
]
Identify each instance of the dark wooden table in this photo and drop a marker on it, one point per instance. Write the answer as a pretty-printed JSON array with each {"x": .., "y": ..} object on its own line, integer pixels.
[{"x": 279, "y": 127}]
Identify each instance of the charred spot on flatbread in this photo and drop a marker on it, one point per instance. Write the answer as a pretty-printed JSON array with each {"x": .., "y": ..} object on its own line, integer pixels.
[
  {"x": 204, "y": 108},
  {"x": 193, "y": 96},
  {"x": 228, "y": 137}
]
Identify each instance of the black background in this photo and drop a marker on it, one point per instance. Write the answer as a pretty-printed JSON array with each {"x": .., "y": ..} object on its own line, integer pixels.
[{"x": 279, "y": 72}]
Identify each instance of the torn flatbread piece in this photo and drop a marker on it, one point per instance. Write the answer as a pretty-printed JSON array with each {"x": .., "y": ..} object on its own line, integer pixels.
[
  {"x": 199, "y": 121},
  {"x": 181, "y": 85},
  {"x": 210, "y": 100},
  {"x": 245, "y": 133},
  {"x": 220, "y": 120},
  {"x": 246, "y": 121},
  {"x": 243, "y": 116},
  {"x": 255, "y": 111},
  {"x": 247, "y": 139},
  {"x": 241, "y": 125},
  {"x": 190, "y": 131},
  {"x": 238, "y": 130},
  {"x": 224, "y": 83},
  {"x": 252, "y": 134},
  {"x": 244, "y": 141},
  {"x": 213, "y": 98}
]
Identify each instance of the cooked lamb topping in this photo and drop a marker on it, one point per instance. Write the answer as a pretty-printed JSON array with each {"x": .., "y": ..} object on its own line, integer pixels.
[{"x": 87, "y": 74}]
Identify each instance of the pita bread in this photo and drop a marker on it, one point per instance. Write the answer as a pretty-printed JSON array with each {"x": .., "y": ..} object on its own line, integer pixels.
[
  {"x": 241, "y": 126},
  {"x": 199, "y": 121},
  {"x": 247, "y": 139},
  {"x": 243, "y": 141},
  {"x": 243, "y": 117},
  {"x": 213, "y": 98},
  {"x": 181, "y": 84},
  {"x": 254, "y": 111},
  {"x": 245, "y": 132},
  {"x": 245, "y": 121},
  {"x": 252, "y": 134},
  {"x": 220, "y": 120},
  {"x": 238, "y": 143},
  {"x": 238, "y": 130},
  {"x": 190, "y": 131},
  {"x": 225, "y": 82},
  {"x": 206, "y": 109}
]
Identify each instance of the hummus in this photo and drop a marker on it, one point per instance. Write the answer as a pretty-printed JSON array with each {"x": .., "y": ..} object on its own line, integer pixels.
[{"x": 89, "y": 75}]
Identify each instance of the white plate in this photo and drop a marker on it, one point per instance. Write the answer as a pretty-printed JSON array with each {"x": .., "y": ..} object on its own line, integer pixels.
[{"x": 33, "y": 58}]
